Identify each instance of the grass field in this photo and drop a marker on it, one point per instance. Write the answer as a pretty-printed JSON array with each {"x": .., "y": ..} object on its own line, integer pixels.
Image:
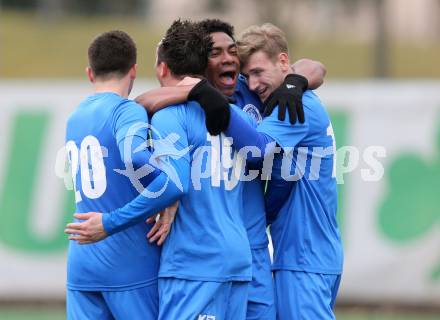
[
  {"x": 355, "y": 314},
  {"x": 35, "y": 47}
]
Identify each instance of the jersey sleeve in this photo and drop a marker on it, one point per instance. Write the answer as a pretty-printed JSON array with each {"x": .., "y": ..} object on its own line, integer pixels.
[
  {"x": 244, "y": 134},
  {"x": 129, "y": 119},
  {"x": 245, "y": 116},
  {"x": 283, "y": 132},
  {"x": 130, "y": 129},
  {"x": 170, "y": 144},
  {"x": 170, "y": 154}
]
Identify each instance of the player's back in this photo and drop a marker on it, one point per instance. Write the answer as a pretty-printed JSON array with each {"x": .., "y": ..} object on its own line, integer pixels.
[
  {"x": 305, "y": 232},
  {"x": 208, "y": 241},
  {"x": 125, "y": 260}
]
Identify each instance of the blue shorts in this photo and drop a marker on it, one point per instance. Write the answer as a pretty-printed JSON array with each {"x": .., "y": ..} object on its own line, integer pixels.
[
  {"x": 206, "y": 300},
  {"x": 141, "y": 303},
  {"x": 304, "y": 295},
  {"x": 261, "y": 299}
]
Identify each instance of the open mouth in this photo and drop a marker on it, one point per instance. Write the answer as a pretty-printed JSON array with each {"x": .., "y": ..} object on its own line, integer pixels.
[{"x": 228, "y": 78}]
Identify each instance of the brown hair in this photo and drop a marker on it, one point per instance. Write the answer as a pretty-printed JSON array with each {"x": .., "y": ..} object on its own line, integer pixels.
[
  {"x": 112, "y": 53},
  {"x": 185, "y": 48},
  {"x": 267, "y": 38}
]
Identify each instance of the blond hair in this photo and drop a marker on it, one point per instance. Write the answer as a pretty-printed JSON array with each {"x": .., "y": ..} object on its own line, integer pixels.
[{"x": 267, "y": 38}]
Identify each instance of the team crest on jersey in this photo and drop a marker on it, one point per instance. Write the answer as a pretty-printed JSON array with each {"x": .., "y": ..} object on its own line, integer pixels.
[{"x": 252, "y": 110}]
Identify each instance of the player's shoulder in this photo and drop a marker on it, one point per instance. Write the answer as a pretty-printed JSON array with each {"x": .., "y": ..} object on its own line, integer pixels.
[
  {"x": 312, "y": 103},
  {"x": 81, "y": 110},
  {"x": 187, "y": 110},
  {"x": 310, "y": 98},
  {"x": 171, "y": 110},
  {"x": 172, "y": 114},
  {"x": 236, "y": 108},
  {"x": 130, "y": 108},
  {"x": 315, "y": 110}
]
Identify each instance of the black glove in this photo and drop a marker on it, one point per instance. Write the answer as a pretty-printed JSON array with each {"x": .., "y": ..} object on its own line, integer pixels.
[
  {"x": 214, "y": 104},
  {"x": 288, "y": 96}
]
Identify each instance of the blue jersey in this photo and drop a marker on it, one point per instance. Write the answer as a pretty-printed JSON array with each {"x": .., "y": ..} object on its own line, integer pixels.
[
  {"x": 305, "y": 232},
  {"x": 254, "y": 213},
  {"x": 208, "y": 241},
  {"x": 125, "y": 260},
  {"x": 247, "y": 100}
]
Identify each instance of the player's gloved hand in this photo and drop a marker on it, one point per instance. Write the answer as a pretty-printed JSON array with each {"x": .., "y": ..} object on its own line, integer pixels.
[
  {"x": 288, "y": 96},
  {"x": 214, "y": 104}
]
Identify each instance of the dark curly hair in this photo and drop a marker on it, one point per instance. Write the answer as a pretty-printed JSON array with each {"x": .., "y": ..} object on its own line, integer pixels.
[
  {"x": 185, "y": 48},
  {"x": 217, "y": 25},
  {"x": 112, "y": 53}
]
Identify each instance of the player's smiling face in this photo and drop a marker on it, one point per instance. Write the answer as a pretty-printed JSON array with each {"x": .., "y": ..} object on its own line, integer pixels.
[
  {"x": 223, "y": 64},
  {"x": 263, "y": 74}
]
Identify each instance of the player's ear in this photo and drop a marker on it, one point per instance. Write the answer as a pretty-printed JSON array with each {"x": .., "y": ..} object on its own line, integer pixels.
[
  {"x": 283, "y": 60},
  {"x": 90, "y": 74},
  {"x": 163, "y": 69},
  {"x": 133, "y": 71}
]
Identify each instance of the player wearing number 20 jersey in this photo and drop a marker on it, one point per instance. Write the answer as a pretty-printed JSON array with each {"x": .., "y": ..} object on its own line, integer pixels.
[
  {"x": 96, "y": 132},
  {"x": 106, "y": 147},
  {"x": 124, "y": 260}
]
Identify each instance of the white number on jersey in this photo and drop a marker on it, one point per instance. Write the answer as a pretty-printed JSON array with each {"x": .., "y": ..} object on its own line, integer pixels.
[{"x": 89, "y": 160}]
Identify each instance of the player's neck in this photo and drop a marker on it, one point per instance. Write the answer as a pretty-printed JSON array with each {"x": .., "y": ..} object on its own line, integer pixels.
[
  {"x": 121, "y": 87},
  {"x": 170, "y": 81}
]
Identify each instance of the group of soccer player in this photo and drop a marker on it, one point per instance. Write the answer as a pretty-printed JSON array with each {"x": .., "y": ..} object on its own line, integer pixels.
[{"x": 219, "y": 97}]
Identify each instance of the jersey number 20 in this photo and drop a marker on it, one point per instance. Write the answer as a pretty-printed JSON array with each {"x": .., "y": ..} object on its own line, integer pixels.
[{"x": 89, "y": 161}]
